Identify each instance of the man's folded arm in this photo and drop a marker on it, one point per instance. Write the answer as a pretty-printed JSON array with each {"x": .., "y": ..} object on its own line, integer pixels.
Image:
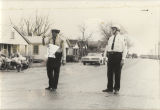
[{"x": 46, "y": 40}]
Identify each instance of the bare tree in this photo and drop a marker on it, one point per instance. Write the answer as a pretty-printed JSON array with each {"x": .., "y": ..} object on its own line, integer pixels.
[
  {"x": 105, "y": 30},
  {"x": 42, "y": 25},
  {"x": 83, "y": 41},
  {"x": 38, "y": 26},
  {"x": 83, "y": 30}
]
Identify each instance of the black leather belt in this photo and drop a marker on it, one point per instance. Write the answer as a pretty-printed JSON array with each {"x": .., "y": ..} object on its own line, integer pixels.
[
  {"x": 51, "y": 58},
  {"x": 114, "y": 52}
]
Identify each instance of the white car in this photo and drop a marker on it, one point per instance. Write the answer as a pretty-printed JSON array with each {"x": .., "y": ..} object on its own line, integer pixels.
[{"x": 94, "y": 58}]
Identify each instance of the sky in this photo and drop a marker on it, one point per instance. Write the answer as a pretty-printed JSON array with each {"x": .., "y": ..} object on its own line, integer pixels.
[{"x": 143, "y": 26}]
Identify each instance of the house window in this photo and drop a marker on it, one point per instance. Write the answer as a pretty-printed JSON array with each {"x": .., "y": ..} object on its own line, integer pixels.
[{"x": 35, "y": 49}]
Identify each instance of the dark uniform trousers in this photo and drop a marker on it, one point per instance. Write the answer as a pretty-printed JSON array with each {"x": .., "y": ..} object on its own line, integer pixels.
[
  {"x": 53, "y": 65},
  {"x": 114, "y": 69}
]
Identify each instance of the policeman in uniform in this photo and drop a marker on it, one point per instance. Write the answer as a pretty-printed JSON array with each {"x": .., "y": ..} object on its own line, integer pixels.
[
  {"x": 54, "y": 59},
  {"x": 116, "y": 51}
]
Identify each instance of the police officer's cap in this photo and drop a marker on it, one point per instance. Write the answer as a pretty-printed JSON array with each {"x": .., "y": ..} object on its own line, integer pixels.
[
  {"x": 55, "y": 30},
  {"x": 117, "y": 27}
]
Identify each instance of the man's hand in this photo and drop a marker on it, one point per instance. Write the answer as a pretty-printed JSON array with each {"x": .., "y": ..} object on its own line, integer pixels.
[
  {"x": 43, "y": 37},
  {"x": 122, "y": 62},
  {"x": 63, "y": 62},
  {"x": 106, "y": 59}
]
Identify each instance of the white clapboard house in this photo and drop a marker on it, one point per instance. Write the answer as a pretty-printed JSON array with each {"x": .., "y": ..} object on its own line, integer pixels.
[{"x": 12, "y": 41}]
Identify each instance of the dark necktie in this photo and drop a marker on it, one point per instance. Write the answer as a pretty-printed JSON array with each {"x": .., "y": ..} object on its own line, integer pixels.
[
  {"x": 113, "y": 42},
  {"x": 54, "y": 42}
]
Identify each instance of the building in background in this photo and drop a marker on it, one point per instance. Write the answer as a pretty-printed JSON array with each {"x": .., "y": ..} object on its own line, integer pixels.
[
  {"x": 72, "y": 51},
  {"x": 13, "y": 42},
  {"x": 83, "y": 48},
  {"x": 36, "y": 50}
]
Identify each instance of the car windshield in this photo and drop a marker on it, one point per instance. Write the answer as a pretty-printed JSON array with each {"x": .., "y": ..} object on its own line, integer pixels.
[{"x": 94, "y": 54}]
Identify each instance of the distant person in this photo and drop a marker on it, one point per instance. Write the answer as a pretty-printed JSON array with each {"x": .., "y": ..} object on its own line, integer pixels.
[
  {"x": 54, "y": 58},
  {"x": 116, "y": 51}
]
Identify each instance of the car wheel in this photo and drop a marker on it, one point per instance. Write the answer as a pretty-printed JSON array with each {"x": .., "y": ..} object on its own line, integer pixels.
[{"x": 84, "y": 63}]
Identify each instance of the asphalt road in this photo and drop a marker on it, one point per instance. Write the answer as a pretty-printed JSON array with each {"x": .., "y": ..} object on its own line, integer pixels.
[{"x": 80, "y": 87}]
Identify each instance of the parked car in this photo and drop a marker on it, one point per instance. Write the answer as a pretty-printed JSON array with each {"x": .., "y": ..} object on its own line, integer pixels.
[{"x": 94, "y": 58}]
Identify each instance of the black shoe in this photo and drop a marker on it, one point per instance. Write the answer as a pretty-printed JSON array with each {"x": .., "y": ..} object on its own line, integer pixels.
[
  {"x": 48, "y": 88},
  {"x": 116, "y": 91},
  {"x": 107, "y": 90},
  {"x": 52, "y": 89}
]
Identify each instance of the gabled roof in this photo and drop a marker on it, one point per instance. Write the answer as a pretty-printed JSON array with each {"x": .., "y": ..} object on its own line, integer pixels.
[
  {"x": 34, "y": 39},
  {"x": 76, "y": 46},
  {"x": 5, "y": 37},
  {"x": 16, "y": 29}
]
